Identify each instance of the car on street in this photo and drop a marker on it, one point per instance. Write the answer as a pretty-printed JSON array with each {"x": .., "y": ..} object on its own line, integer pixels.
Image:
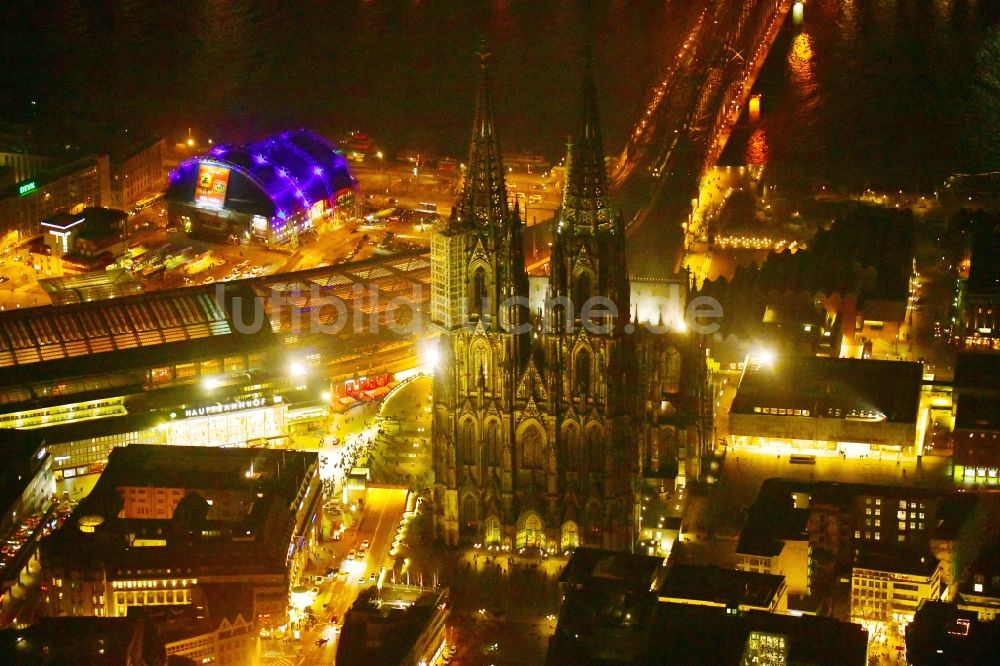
[
  {"x": 3, "y": 278},
  {"x": 371, "y": 577},
  {"x": 365, "y": 544},
  {"x": 320, "y": 642},
  {"x": 351, "y": 555},
  {"x": 361, "y": 580}
]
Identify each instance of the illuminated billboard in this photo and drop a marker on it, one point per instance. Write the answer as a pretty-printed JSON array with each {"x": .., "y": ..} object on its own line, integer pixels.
[{"x": 212, "y": 183}]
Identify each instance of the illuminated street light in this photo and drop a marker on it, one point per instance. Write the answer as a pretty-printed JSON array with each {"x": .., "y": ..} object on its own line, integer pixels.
[
  {"x": 211, "y": 383},
  {"x": 297, "y": 369},
  {"x": 429, "y": 355},
  {"x": 763, "y": 356}
]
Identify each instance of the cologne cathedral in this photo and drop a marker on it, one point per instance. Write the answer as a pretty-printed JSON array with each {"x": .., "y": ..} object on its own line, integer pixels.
[{"x": 546, "y": 431}]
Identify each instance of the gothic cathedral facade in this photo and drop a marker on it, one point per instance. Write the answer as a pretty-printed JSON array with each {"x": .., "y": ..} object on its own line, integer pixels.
[{"x": 541, "y": 424}]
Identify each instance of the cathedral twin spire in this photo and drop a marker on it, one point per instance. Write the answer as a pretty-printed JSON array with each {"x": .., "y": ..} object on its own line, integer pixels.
[
  {"x": 585, "y": 202},
  {"x": 587, "y": 229},
  {"x": 484, "y": 195}
]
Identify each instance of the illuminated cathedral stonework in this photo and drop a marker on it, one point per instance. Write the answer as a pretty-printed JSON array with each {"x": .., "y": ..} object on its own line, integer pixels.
[{"x": 544, "y": 429}]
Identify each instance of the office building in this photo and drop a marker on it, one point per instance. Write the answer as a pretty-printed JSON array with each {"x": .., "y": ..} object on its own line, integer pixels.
[
  {"x": 68, "y": 188},
  {"x": 394, "y": 624},
  {"x": 976, "y": 435},
  {"x": 84, "y": 641},
  {"x": 826, "y": 406},
  {"x": 634, "y": 609},
  {"x": 136, "y": 170},
  {"x": 887, "y": 585},
  {"x": 163, "y": 522},
  {"x": 943, "y": 635}
]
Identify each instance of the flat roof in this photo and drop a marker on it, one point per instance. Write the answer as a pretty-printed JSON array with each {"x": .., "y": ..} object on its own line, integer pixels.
[
  {"x": 599, "y": 629},
  {"x": 626, "y": 571},
  {"x": 977, "y": 372},
  {"x": 977, "y": 412},
  {"x": 896, "y": 560},
  {"x": 773, "y": 516},
  {"x": 984, "y": 269},
  {"x": 692, "y": 634},
  {"x": 728, "y": 587},
  {"x": 383, "y": 625},
  {"x": 202, "y": 467},
  {"x": 843, "y": 388},
  {"x": 48, "y": 176}
]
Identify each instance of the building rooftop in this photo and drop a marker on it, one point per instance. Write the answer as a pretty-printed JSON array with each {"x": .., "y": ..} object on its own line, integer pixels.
[
  {"x": 984, "y": 269},
  {"x": 47, "y": 176},
  {"x": 942, "y": 634},
  {"x": 93, "y": 217},
  {"x": 843, "y": 388},
  {"x": 84, "y": 641},
  {"x": 727, "y": 587},
  {"x": 383, "y": 625},
  {"x": 623, "y": 571},
  {"x": 295, "y": 169},
  {"x": 977, "y": 372},
  {"x": 238, "y": 511},
  {"x": 895, "y": 560},
  {"x": 975, "y": 412},
  {"x": 129, "y": 332},
  {"x": 229, "y": 604},
  {"x": 768, "y": 526},
  {"x": 983, "y": 577},
  {"x": 781, "y": 509},
  {"x": 402, "y": 278},
  {"x": 704, "y": 634},
  {"x": 694, "y": 634},
  {"x": 93, "y": 286}
]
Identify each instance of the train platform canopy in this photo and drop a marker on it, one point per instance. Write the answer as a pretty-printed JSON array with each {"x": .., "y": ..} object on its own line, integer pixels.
[
  {"x": 118, "y": 334},
  {"x": 293, "y": 301},
  {"x": 93, "y": 286}
]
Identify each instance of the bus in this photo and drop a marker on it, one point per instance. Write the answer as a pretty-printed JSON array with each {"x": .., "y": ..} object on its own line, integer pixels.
[
  {"x": 176, "y": 259},
  {"x": 143, "y": 204},
  {"x": 801, "y": 459}
]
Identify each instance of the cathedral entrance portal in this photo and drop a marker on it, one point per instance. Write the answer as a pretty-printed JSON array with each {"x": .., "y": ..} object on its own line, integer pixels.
[
  {"x": 530, "y": 531},
  {"x": 570, "y": 536},
  {"x": 492, "y": 536}
]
